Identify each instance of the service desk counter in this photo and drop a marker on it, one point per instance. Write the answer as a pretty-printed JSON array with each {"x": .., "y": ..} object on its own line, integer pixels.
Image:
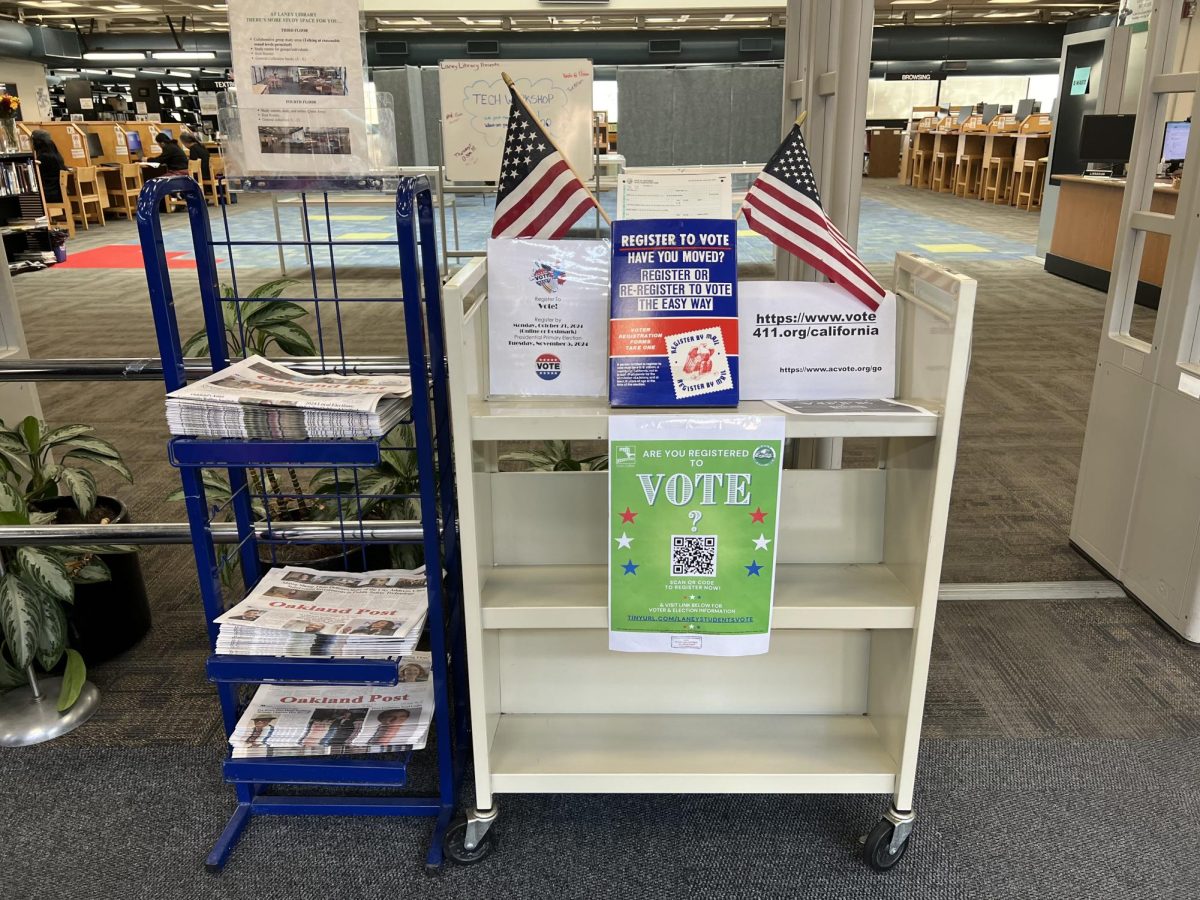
[{"x": 1085, "y": 234}]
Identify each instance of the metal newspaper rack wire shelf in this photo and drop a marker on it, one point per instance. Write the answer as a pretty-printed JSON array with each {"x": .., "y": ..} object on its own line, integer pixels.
[{"x": 265, "y": 495}]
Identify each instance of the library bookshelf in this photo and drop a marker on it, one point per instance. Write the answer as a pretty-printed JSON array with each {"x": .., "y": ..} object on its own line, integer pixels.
[{"x": 834, "y": 706}]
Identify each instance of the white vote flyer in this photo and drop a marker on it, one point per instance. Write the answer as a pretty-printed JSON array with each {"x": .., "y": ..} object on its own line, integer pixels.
[
  {"x": 298, "y": 66},
  {"x": 805, "y": 340},
  {"x": 548, "y": 317}
]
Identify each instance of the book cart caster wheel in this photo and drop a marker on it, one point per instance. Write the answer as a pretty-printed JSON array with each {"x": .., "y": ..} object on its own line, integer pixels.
[
  {"x": 878, "y": 850},
  {"x": 454, "y": 844}
]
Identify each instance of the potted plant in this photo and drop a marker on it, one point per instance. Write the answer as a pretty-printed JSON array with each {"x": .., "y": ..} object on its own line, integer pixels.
[
  {"x": 8, "y": 119},
  {"x": 252, "y": 325},
  {"x": 58, "y": 602},
  {"x": 386, "y": 491},
  {"x": 556, "y": 456}
]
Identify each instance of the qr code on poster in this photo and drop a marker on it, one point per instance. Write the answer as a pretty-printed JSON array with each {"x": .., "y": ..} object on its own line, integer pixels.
[{"x": 694, "y": 554}]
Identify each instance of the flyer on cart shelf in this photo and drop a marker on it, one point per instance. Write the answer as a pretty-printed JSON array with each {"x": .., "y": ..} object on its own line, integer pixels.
[
  {"x": 674, "y": 330},
  {"x": 693, "y": 528},
  {"x": 547, "y": 317}
]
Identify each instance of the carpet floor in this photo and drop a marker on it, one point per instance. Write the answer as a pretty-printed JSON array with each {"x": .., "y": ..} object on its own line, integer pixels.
[{"x": 1060, "y": 743}]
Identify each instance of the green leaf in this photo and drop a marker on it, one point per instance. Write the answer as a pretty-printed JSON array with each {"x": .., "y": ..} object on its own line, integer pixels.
[
  {"x": 10, "y": 676},
  {"x": 82, "y": 486},
  {"x": 21, "y": 619},
  {"x": 96, "y": 445},
  {"x": 42, "y": 518},
  {"x": 14, "y": 517},
  {"x": 291, "y": 338},
  {"x": 47, "y": 572},
  {"x": 272, "y": 288},
  {"x": 73, "y": 680},
  {"x": 275, "y": 311},
  {"x": 94, "y": 572},
  {"x": 31, "y": 434},
  {"x": 10, "y": 499},
  {"x": 91, "y": 457},
  {"x": 10, "y": 442},
  {"x": 196, "y": 345},
  {"x": 53, "y": 639},
  {"x": 65, "y": 433}
]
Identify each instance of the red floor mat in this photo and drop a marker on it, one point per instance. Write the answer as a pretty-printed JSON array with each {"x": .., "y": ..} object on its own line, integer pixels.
[{"x": 121, "y": 256}]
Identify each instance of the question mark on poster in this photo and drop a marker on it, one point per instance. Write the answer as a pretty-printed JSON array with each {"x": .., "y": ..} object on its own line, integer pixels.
[{"x": 695, "y": 515}]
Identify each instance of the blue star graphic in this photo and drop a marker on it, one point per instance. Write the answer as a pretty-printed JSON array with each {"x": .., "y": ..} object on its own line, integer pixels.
[
  {"x": 630, "y": 568},
  {"x": 753, "y": 569}
]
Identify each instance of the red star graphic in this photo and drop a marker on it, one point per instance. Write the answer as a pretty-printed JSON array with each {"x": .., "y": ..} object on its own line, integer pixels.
[
  {"x": 758, "y": 515},
  {"x": 628, "y": 516}
]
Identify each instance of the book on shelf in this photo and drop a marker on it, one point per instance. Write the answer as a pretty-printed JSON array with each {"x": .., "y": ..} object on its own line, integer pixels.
[
  {"x": 18, "y": 176},
  {"x": 335, "y": 720},
  {"x": 299, "y": 612},
  {"x": 256, "y": 398}
]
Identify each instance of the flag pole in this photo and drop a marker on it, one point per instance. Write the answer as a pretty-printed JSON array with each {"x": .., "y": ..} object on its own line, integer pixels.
[{"x": 513, "y": 87}]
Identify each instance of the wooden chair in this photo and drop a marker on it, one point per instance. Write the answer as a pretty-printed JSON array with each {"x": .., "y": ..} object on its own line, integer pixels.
[
  {"x": 85, "y": 194},
  {"x": 920, "y": 159},
  {"x": 998, "y": 183},
  {"x": 943, "y": 172},
  {"x": 174, "y": 201},
  {"x": 966, "y": 176},
  {"x": 57, "y": 210},
  {"x": 1029, "y": 187},
  {"x": 212, "y": 188},
  {"x": 124, "y": 199}
]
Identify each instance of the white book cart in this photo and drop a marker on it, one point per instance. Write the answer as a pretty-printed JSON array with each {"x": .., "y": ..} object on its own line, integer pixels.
[{"x": 834, "y": 707}]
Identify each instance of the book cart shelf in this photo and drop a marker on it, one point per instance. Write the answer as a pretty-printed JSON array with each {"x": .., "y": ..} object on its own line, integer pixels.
[
  {"x": 261, "y": 473},
  {"x": 836, "y": 704}
]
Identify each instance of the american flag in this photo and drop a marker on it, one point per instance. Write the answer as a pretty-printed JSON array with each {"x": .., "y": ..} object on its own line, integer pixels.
[
  {"x": 538, "y": 194},
  {"x": 784, "y": 206}
]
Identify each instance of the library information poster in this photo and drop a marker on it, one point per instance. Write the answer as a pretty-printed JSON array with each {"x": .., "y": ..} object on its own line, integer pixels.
[
  {"x": 674, "y": 333},
  {"x": 693, "y": 527},
  {"x": 298, "y": 65},
  {"x": 547, "y": 317},
  {"x": 804, "y": 340}
]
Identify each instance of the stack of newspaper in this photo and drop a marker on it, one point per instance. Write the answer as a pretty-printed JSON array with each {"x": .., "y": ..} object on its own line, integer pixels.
[
  {"x": 257, "y": 398},
  {"x": 305, "y": 612},
  {"x": 327, "y": 720}
]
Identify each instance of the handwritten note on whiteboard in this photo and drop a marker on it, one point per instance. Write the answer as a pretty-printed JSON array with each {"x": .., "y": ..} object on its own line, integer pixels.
[
  {"x": 475, "y": 104},
  {"x": 674, "y": 195}
]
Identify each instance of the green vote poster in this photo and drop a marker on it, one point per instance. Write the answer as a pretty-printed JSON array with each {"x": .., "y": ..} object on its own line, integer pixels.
[{"x": 693, "y": 524}]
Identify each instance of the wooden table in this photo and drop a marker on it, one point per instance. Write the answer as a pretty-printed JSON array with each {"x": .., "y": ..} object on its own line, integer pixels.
[{"x": 1085, "y": 234}]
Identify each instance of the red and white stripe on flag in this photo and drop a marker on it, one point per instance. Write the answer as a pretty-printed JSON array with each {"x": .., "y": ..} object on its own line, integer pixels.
[
  {"x": 546, "y": 203},
  {"x": 792, "y": 221}
]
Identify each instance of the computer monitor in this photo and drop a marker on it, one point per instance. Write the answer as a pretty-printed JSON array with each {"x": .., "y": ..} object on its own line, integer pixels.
[
  {"x": 168, "y": 133},
  {"x": 990, "y": 111},
  {"x": 1106, "y": 139},
  {"x": 133, "y": 141},
  {"x": 95, "y": 148},
  {"x": 964, "y": 114},
  {"x": 1025, "y": 108},
  {"x": 1175, "y": 140}
]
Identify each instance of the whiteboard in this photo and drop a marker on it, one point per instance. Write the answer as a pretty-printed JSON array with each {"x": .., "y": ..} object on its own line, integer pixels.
[
  {"x": 475, "y": 104},
  {"x": 674, "y": 195}
]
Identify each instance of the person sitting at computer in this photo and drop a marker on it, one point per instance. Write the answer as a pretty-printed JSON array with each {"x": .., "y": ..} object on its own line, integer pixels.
[
  {"x": 172, "y": 160},
  {"x": 51, "y": 163},
  {"x": 196, "y": 150}
]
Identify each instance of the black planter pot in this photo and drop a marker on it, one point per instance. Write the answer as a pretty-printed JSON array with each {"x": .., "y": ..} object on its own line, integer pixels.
[{"x": 109, "y": 617}]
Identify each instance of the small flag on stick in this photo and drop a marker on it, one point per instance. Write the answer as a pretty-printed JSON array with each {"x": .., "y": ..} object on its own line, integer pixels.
[
  {"x": 538, "y": 194},
  {"x": 784, "y": 206}
]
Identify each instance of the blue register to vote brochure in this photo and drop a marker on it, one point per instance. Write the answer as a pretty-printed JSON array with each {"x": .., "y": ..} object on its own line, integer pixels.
[{"x": 674, "y": 331}]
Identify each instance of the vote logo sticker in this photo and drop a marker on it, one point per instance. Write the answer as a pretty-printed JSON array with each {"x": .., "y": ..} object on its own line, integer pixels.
[{"x": 548, "y": 367}]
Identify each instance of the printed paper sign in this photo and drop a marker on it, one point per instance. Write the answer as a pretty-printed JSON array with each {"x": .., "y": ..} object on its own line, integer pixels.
[
  {"x": 547, "y": 317},
  {"x": 693, "y": 526},
  {"x": 1080, "y": 79},
  {"x": 299, "y": 69},
  {"x": 674, "y": 334},
  {"x": 805, "y": 340},
  {"x": 674, "y": 195}
]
